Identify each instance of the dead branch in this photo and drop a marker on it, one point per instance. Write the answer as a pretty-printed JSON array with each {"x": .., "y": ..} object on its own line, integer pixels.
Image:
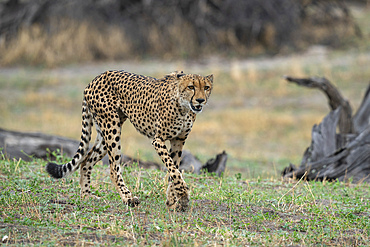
[{"x": 335, "y": 99}]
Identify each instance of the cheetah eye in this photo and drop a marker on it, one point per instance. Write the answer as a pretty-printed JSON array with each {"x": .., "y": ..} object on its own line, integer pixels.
[
  {"x": 191, "y": 87},
  {"x": 206, "y": 87}
]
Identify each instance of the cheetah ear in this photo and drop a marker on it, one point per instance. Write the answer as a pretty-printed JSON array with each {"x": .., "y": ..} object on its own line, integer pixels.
[
  {"x": 179, "y": 75},
  {"x": 210, "y": 77}
]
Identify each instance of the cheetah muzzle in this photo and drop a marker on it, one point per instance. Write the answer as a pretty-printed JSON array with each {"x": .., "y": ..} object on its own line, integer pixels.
[
  {"x": 162, "y": 109},
  {"x": 197, "y": 108}
]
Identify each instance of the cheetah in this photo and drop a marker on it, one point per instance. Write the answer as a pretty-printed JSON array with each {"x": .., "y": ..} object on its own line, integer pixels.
[{"x": 162, "y": 109}]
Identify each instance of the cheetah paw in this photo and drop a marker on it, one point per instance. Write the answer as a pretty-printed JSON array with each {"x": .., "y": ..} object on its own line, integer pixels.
[
  {"x": 171, "y": 204},
  {"x": 133, "y": 202},
  {"x": 182, "y": 204}
]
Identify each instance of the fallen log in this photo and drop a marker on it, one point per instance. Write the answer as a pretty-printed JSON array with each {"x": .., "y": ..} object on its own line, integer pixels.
[
  {"x": 336, "y": 156},
  {"x": 26, "y": 146}
]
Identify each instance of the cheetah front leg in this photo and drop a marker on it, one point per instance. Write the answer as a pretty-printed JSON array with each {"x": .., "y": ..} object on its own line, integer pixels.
[
  {"x": 176, "y": 153},
  {"x": 177, "y": 191}
]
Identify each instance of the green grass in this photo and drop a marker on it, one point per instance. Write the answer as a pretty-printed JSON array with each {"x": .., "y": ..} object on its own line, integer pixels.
[{"x": 232, "y": 210}]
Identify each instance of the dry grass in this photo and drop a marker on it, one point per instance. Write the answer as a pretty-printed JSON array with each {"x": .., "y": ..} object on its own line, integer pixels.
[
  {"x": 73, "y": 42},
  {"x": 161, "y": 33}
]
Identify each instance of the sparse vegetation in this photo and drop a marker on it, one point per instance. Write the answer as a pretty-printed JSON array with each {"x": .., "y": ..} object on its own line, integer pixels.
[{"x": 231, "y": 210}]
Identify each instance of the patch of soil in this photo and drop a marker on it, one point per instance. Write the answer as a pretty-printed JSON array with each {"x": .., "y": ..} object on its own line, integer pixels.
[{"x": 28, "y": 235}]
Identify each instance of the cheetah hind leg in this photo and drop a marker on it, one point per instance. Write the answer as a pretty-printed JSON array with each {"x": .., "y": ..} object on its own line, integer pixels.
[{"x": 97, "y": 152}]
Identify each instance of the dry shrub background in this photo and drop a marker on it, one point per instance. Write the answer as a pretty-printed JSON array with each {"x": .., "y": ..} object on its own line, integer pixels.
[{"x": 51, "y": 32}]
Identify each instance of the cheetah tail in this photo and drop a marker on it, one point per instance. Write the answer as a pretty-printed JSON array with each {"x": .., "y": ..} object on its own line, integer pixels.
[{"x": 60, "y": 171}]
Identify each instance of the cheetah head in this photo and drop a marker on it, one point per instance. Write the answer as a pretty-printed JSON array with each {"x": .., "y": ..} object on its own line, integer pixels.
[{"x": 194, "y": 91}]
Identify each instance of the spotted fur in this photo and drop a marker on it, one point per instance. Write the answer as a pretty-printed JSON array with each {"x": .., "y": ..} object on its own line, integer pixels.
[{"x": 162, "y": 109}]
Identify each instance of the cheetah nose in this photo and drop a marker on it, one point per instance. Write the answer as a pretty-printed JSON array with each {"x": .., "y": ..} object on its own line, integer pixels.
[{"x": 200, "y": 101}]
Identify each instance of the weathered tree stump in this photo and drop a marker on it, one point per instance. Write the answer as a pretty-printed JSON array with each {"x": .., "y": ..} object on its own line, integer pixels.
[
  {"x": 26, "y": 146},
  {"x": 331, "y": 155}
]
